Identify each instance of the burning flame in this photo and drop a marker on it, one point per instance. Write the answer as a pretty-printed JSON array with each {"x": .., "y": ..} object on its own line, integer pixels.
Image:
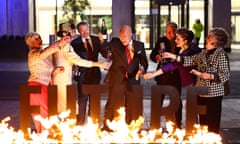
[{"x": 60, "y": 129}]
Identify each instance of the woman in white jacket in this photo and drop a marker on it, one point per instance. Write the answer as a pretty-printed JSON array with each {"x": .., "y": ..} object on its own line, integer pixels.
[{"x": 66, "y": 57}]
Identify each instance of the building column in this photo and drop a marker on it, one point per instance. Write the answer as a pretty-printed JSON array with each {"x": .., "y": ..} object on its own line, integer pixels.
[
  {"x": 220, "y": 16},
  {"x": 3, "y": 17},
  {"x": 122, "y": 14},
  {"x": 14, "y": 17}
]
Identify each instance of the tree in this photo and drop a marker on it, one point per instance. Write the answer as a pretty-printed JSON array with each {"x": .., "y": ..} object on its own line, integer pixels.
[{"x": 74, "y": 8}]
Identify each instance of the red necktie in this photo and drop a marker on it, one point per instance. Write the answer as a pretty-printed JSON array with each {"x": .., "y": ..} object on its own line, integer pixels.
[
  {"x": 128, "y": 58},
  {"x": 128, "y": 54},
  {"x": 90, "y": 51}
]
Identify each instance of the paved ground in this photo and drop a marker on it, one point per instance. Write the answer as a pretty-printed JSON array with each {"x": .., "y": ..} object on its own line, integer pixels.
[{"x": 13, "y": 74}]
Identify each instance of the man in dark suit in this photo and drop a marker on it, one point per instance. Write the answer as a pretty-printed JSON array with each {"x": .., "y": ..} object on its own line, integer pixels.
[
  {"x": 87, "y": 47},
  {"x": 167, "y": 43},
  {"x": 129, "y": 60}
]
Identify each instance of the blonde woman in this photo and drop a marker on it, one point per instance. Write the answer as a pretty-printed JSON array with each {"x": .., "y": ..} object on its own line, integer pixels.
[
  {"x": 41, "y": 69},
  {"x": 67, "y": 57}
]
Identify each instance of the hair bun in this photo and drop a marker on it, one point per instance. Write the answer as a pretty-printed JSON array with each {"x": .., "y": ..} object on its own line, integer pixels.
[{"x": 190, "y": 35}]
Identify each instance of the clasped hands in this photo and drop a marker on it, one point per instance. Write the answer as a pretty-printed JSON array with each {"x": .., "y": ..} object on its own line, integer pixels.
[
  {"x": 172, "y": 56},
  {"x": 104, "y": 65},
  {"x": 202, "y": 75},
  {"x": 158, "y": 58}
]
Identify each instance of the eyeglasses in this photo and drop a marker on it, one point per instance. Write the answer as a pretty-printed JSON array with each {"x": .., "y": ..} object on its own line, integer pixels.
[{"x": 36, "y": 37}]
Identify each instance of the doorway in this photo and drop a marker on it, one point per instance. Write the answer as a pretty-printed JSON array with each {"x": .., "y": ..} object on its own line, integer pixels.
[
  {"x": 235, "y": 28},
  {"x": 162, "y": 12}
]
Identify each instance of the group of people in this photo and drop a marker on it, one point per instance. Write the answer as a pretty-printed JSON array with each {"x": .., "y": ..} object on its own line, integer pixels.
[
  {"x": 180, "y": 63},
  {"x": 183, "y": 64},
  {"x": 177, "y": 41},
  {"x": 53, "y": 65}
]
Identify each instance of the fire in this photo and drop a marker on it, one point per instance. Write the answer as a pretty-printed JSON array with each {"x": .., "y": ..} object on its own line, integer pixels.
[{"x": 60, "y": 129}]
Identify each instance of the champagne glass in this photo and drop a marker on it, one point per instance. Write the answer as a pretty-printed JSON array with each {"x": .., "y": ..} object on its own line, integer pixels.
[
  {"x": 140, "y": 72},
  {"x": 162, "y": 50},
  {"x": 109, "y": 57}
]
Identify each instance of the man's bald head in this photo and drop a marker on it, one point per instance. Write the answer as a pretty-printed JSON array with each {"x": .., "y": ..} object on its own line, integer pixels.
[{"x": 125, "y": 34}]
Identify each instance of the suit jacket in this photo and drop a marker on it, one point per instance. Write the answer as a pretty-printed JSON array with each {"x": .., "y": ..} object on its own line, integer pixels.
[
  {"x": 89, "y": 75},
  {"x": 171, "y": 77},
  {"x": 120, "y": 67}
]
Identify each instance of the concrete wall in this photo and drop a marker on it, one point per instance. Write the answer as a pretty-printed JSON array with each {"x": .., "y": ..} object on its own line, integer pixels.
[
  {"x": 221, "y": 16},
  {"x": 121, "y": 15},
  {"x": 14, "y": 17},
  {"x": 13, "y": 50},
  {"x": 3, "y": 20}
]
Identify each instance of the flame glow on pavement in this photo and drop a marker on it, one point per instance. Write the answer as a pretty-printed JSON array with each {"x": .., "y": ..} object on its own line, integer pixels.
[{"x": 60, "y": 129}]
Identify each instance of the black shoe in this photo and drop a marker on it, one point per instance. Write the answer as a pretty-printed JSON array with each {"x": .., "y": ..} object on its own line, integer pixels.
[
  {"x": 33, "y": 130},
  {"x": 106, "y": 128},
  {"x": 179, "y": 125}
]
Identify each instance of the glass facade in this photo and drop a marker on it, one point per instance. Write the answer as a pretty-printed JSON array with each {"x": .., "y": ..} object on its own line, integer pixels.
[
  {"x": 46, "y": 13},
  {"x": 147, "y": 15},
  {"x": 235, "y": 21}
]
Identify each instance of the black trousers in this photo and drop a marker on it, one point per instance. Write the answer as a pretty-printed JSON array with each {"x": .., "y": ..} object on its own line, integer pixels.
[
  {"x": 122, "y": 95},
  {"x": 173, "y": 79},
  {"x": 82, "y": 105},
  {"x": 213, "y": 117}
]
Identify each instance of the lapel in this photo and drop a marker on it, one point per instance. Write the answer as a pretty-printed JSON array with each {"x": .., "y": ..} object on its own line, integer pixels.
[
  {"x": 92, "y": 43},
  {"x": 80, "y": 48},
  {"x": 123, "y": 53},
  {"x": 81, "y": 44},
  {"x": 213, "y": 57},
  {"x": 137, "y": 50},
  {"x": 120, "y": 51}
]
